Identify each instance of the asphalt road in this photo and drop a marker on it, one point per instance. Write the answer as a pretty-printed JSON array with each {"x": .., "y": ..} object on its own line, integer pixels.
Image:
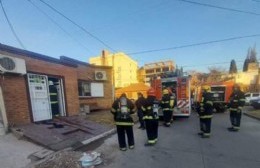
[{"x": 180, "y": 147}]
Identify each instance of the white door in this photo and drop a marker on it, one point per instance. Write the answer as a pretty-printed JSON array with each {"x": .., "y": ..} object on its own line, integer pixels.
[{"x": 38, "y": 87}]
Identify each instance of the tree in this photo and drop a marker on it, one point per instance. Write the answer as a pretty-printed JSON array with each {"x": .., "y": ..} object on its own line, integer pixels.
[
  {"x": 233, "y": 67},
  {"x": 252, "y": 57},
  {"x": 197, "y": 78},
  {"x": 215, "y": 74},
  {"x": 246, "y": 62},
  {"x": 181, "y": 71}
]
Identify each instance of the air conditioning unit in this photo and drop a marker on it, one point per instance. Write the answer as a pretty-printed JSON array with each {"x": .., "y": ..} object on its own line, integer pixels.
[
  {"x": 100, "y": 75},
  {"x": 12, "y": 65}
]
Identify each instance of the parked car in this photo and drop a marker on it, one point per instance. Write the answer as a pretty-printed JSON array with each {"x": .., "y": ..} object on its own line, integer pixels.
[
  {"x": 255, "y": 103},
  {"x": 250, "y": 97}
]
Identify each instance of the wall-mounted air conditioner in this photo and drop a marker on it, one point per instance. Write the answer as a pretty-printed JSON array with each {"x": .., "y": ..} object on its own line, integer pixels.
[
  {"x": 100, "y": 75},
  {"x": 12, "y": 65}
]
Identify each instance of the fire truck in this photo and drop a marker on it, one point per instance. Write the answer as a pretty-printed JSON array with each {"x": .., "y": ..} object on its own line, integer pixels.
[
  {"x": 180, "y": 89},
  {"x": 220, "y": 91}
]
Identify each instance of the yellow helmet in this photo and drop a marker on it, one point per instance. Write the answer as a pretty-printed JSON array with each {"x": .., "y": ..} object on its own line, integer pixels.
[
  {"x": 206, "y": 87},
  {"x": 165, "y": 91}
]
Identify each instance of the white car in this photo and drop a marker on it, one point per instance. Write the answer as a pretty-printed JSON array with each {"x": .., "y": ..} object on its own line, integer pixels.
[{"x": 251, "y": 96}]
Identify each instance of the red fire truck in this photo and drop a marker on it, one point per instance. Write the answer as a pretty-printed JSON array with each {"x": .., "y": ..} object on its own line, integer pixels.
[
  {"x": 220, "y": 91},
  {"x": 180, "y": 89}
]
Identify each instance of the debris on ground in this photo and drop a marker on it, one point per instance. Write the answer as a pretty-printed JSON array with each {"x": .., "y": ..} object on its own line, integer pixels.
[
  {"x": 64, "y": 159},
  {"x": 90, "y": 159},
  {"x": 70, "y": 159}
]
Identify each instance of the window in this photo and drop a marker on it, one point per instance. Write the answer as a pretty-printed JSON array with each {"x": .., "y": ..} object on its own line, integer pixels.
[
  {"x": 149, "y": 71},
  {"x": 87, "y": 89},
  {"x": 84, "y": 88},
  {"x": 247, "y": 95},
  {"x": 165, "y": 69},
  {"x": 255, "y": 94}
]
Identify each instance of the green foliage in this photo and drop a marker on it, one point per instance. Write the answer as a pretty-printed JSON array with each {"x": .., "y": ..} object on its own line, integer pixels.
[{"x": 233, "y": 67}]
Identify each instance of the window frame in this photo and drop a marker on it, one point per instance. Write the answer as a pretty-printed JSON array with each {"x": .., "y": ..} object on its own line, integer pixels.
[
  {"x": 80, "y": 82},
  {"x": 92, "y": 87}
]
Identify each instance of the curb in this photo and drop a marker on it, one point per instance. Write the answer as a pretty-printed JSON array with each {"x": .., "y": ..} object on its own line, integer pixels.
[
  {"x": 88, "y": 141},
  {"x": 251, "y": 116}
]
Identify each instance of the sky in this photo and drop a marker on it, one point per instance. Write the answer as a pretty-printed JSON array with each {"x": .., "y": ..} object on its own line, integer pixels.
[{"x": 133, "y": 26}]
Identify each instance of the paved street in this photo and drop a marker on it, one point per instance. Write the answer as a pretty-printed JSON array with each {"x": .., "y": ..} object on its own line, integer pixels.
[{"x": 180, "y": 147}]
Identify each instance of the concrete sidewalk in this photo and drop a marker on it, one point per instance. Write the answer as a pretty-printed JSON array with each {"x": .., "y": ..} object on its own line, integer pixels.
[
  {"x": 14, "y": 152},
  {"x": 251, "y": 112}
]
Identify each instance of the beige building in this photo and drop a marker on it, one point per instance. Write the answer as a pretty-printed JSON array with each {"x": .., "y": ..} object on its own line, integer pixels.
[
  {"x": 249, "y": 80},
  {"x": 124, "y": 67},
  {"x": 151, "y": 70}
]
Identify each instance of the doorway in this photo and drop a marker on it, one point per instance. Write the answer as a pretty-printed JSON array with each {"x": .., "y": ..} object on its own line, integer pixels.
[
  {"x": 47, "y": 96},
  {"x": 56, "y": 95}
]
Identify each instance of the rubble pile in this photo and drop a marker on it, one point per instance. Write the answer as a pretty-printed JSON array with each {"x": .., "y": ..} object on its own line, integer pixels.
[{"x": 64, "y": 159}]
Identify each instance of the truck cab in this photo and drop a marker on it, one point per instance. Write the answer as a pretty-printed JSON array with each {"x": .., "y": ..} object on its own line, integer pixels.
[{"x": 220, "y": 91}]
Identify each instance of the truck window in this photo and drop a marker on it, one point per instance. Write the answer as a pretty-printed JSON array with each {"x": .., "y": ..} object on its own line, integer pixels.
[
  {"x": 218, "y": 93},
  {"x": 218, "y": 88}
]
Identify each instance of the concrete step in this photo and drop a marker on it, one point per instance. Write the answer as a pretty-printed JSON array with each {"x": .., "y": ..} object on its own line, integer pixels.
[{"x": 40, "y": 155}]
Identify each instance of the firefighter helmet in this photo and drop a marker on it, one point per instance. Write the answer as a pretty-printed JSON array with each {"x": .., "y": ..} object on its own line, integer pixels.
[
  {"x": 165, "y": 91},
  {"x": 206, "y": 87},
  {"x": 123, "y": 95},
  {"x": 50, "y": 83},
  {"x": 151, "y": 92}
]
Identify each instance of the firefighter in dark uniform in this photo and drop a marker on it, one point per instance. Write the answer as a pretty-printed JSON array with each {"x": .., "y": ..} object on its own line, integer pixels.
[
  {"x": 54, "y": 98},
  {"x": 139, "y": 102},
  {"x": 205, "y": 112},
  {"x": 151, "y": 118},
  {"x": 237, "y": 101},
  {"x": 122, "y": 108},
  {"x": 167, "y": 104}
]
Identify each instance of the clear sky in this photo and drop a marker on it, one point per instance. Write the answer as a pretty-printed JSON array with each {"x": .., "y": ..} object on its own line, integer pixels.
[{"x": 136, "y": 25}]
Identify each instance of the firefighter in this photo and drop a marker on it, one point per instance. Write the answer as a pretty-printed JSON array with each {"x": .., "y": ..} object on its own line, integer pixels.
[
  {"x": 122, "y": 108},
  {"x": 205, "y": 112},
  {"x": 237, "y": 101},
  {"x": 139, "y": 102},
  {"x": 151, "y": 118},
  {"x": 167, "y": 104},
  {"x": 54, "y": 99}
]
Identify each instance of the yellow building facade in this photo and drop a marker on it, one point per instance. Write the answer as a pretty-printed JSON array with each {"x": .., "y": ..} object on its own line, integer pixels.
[{"x": 124, "y": 67}]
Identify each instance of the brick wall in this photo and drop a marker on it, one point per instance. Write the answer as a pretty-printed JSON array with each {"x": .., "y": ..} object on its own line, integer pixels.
[
  {"x": 15, "y": 98},
  {"x": 88, "y": 73}
]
